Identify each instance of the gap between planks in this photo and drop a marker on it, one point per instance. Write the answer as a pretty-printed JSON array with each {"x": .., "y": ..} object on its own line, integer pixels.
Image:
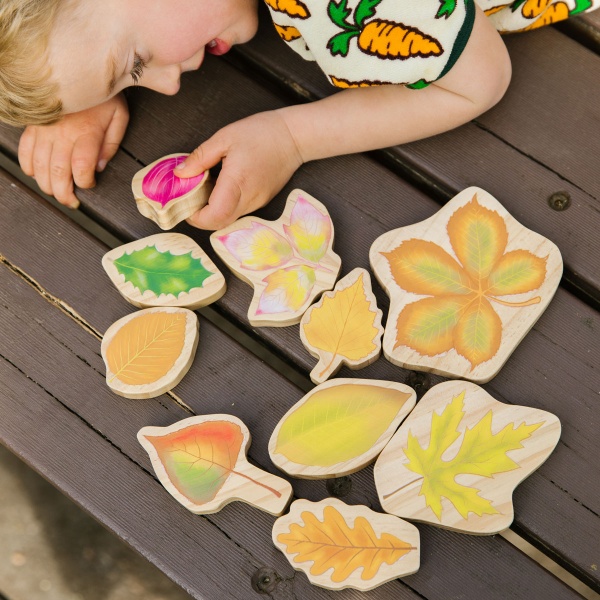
[
  {"x": 71, "y": 313},
  {"x": 283, "y": 368}
]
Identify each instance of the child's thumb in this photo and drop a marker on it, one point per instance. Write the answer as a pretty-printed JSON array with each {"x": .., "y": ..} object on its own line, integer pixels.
[{"x": 204, "y": 157}]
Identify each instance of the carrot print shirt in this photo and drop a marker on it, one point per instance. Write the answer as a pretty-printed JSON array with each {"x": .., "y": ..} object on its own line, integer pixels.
[
  {"x": 412, "y": 42},
  {"x": 372, "y": 42}
]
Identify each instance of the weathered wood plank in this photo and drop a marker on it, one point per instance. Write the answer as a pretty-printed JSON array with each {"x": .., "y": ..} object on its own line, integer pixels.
[
  {"x": 452, "y": 564},
  {"x": 585, "y": 29},
  {"x": 346, "y": 185}
]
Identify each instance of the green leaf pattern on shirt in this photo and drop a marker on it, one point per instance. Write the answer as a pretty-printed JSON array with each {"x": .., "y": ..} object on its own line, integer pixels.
[{"x": 446, "y": 9}]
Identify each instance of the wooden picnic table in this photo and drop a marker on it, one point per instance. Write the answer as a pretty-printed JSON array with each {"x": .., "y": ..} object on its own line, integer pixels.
[{"x": 535, "y": 152}]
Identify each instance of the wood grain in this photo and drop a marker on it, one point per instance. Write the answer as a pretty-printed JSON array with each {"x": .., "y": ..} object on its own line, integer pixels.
[
  {"x": 548, "y": 367},
  {"x": 528, "y": 155},
  {"x": 207, "y": 440},
  {"x": 339, "y": 427},
  {"x": 416, "y": 266},
  {"x": 447, "y": 565},
  {"x": 340, "y": 546},
  {"x": 288, "y": 262},
  {"x": 149, "y": 352}
]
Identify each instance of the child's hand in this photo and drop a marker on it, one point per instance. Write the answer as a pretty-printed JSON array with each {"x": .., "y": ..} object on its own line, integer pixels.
[
  {"x": 259, "y": 156},
  {"x": 68, "y": 153}
]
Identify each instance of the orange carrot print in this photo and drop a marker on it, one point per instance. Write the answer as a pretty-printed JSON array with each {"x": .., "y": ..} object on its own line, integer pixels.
[
  {"x": 377, "y": 37},
  {"x": 345, "y": 83},
  {"x": 553, "y": 14},
  {"x": 287, "y": 33},
  {"x": 495, "y": 9},
  {"x": 534, "y": 8},
  {"x": 293, "y": 8},
  {"x": 387, "y": 39}
]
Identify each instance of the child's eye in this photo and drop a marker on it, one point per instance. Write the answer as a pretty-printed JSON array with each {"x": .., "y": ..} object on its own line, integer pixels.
[{"x": 139, "y": 64}]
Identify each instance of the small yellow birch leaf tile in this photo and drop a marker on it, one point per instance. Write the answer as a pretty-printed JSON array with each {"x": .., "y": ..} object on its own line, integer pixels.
[
  {"x": 339, "y": 427},
  {"x": 340, "y": 546},
  {"x": 344, "y": 327},
  {"x": 148, "y": 352}
]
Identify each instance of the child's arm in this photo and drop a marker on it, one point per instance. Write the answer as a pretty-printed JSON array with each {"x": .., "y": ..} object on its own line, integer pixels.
[
  {"x": 70, "y": 151},
  {"x": 262, "y": 152}
]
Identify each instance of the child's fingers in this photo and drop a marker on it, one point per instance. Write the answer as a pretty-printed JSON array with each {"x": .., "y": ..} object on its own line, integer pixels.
[
  {"x": 61, "y": 174},
  {"x": 222, "y": 207},
  {"x": 26, "y": 146},
  {"x": 41, "y": 164},
  {"x": 112, "y": 138},
  {"x": 84, "y": 160},
  {"x": 204, "y": 157}
]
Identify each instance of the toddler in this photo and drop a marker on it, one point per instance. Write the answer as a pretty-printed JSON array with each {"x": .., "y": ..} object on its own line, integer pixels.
[{"x": 417, "y": 67}]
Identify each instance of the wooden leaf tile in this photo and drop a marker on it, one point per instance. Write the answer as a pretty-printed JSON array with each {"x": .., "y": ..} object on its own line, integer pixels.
[
  {"x": 166, "y": 269},
  {"x": 340, "y": 546},
  {"x": 201, "y": 461},
  {"x": 165, "y": 198},
  {"x": 289, "y": 262},
  {"x": 459, "y": 455},
  {"x": 344, "y": 327},
  {"x": 339, "y": 427},
  {"x": 465, "y": 287},
  {"x": 148, "y": 352}
]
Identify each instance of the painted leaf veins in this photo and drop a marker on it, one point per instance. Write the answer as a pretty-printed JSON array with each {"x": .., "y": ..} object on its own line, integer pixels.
[
  {"x": 481, "y": 452},
  {"x": 162, "y": 272},
  {"x": 459, "y": 312},
  {"x": 331, "y": 543}
]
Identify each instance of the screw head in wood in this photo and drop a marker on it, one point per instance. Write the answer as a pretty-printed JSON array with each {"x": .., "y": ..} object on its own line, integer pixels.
[
  {"x": 339, "y": 487},
  {"x": 264, "y": 580},
  {"x": 559, "y": 201},
  {"x": 420, "y": 382}
]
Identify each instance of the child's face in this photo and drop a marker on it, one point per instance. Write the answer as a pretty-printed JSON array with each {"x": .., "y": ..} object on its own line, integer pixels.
[{"x": 99, "y": 48}]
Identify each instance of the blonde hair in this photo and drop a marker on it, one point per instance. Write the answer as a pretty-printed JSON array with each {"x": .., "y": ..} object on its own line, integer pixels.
[{"x": 27, "y": 95}]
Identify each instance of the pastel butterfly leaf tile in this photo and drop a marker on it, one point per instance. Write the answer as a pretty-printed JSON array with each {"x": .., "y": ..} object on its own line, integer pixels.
[{"x": 288, "y": 262}]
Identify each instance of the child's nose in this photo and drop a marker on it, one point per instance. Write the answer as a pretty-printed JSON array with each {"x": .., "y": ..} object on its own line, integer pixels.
[{"x": 165, "y": 80}]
